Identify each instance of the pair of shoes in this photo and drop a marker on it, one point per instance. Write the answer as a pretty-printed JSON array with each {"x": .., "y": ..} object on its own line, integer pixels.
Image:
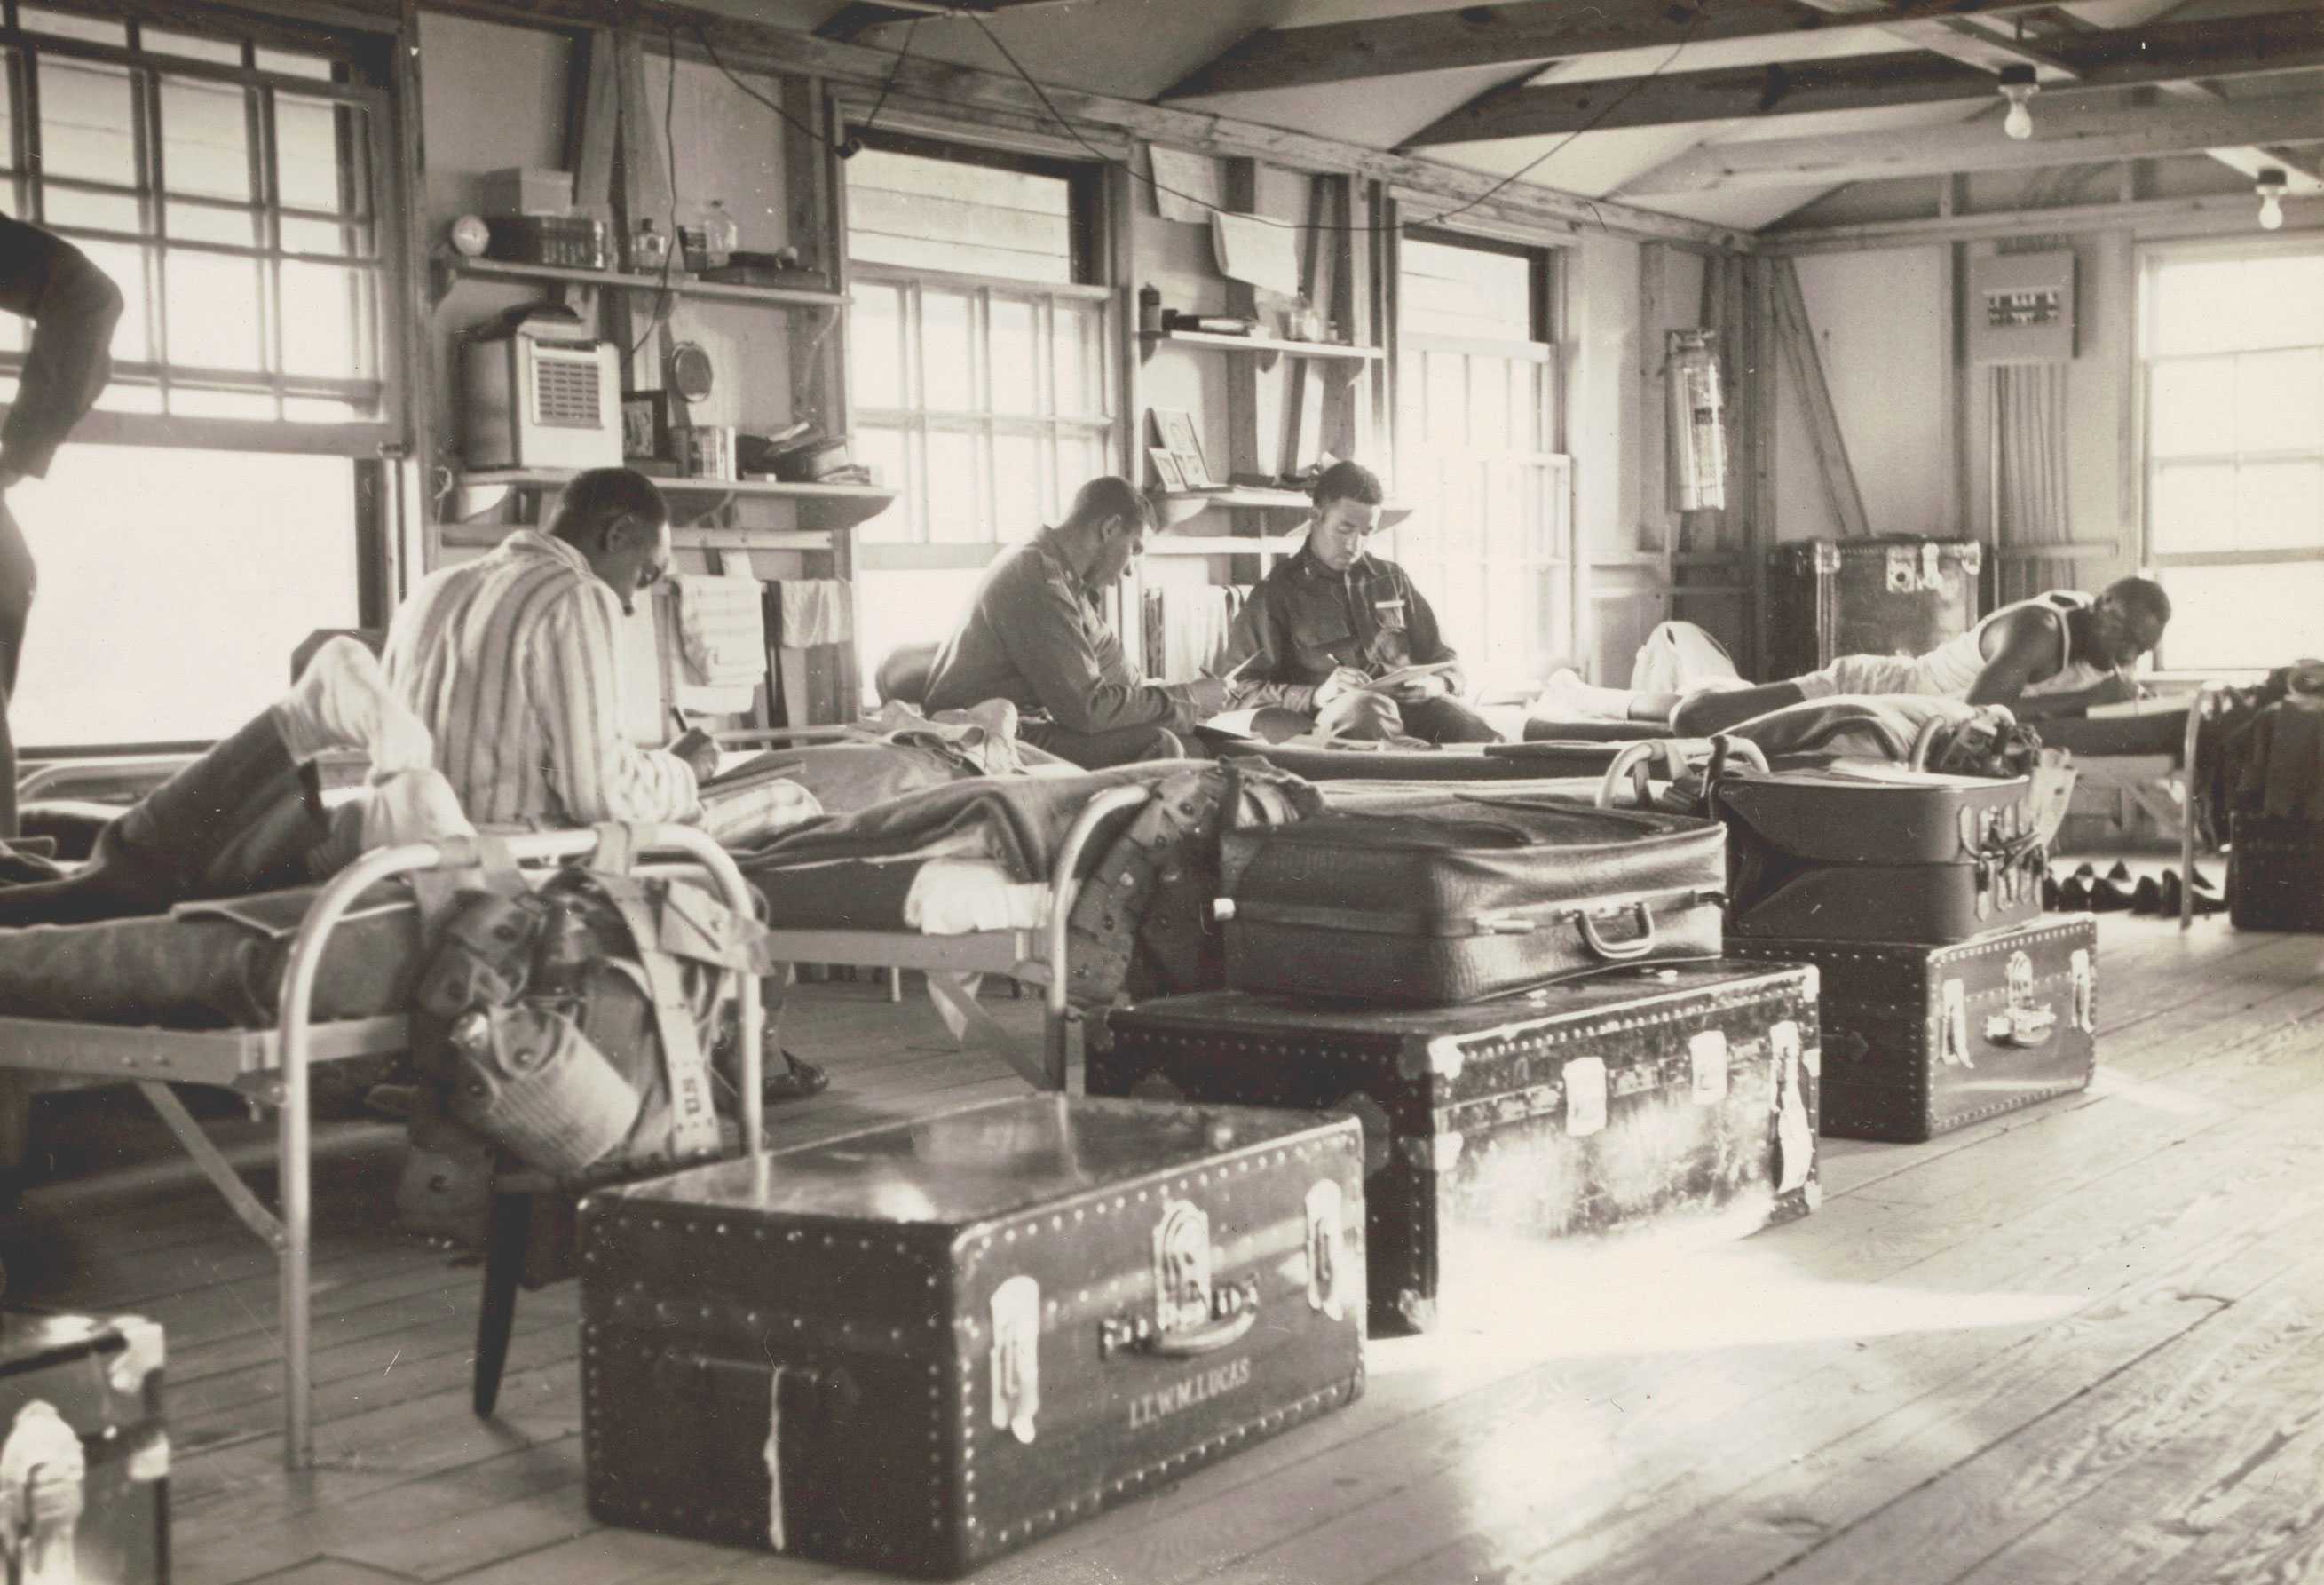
[
  {"x": 2074, "y": 891},
  {"x": 2106, "y": 897},
  {"x": 2146, "y": 897},
  {"x": 2207, "y": 899},
  {"x": 796, "y": 1079}
]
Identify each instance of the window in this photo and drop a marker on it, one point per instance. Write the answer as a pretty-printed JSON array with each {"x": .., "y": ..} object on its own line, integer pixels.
[
  {"x": 1489, "y": 540},
  {"x": 2232, "y": 350},
  {"x": 980, "y": 365},
  {"x": 214, "y": 509},
  {"x": 229, "y": 190}
]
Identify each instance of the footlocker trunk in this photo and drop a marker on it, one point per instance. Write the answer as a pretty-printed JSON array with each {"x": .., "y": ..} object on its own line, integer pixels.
[
  {"x": 921, "y": 1346},
  {"x": 1900, "y": 855},
  {"x": 1668, "y": 1096},
  {"x": 84, "y": 1454},
  {"x": 2275, "y": 873},
  {"x": 1433, "y": 893},
  {"x": 1866, "y": 596},
  {"x": 1920, "y": 1040}
]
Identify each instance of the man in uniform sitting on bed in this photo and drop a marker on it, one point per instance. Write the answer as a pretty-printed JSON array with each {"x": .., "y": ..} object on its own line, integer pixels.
[
  {"x": 2055, "y": 654},
  {"x": 1034, "y": 636},
  {"x": 1327, "y": 622},
  {"x": 513, "y": 663}
]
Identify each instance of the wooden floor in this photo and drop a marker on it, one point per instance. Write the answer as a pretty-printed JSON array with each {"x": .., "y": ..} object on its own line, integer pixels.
[{"x": 2082, "y": 1342}]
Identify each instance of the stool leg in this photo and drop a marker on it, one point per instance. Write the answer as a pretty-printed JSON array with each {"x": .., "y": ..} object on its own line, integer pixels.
[{"x": 504, "y": 1245}]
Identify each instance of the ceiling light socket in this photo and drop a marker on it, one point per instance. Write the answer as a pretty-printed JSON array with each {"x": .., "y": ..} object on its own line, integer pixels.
[
  {"x": 2270, "y": 187},
  {"x": 2018, "y": 84}
]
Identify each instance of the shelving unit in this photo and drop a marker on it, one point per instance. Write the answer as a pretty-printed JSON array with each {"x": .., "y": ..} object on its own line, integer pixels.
[
  {"x": 677, "y": 284},
  {"x": 1183, "y": 504},
  {"x": 827, "y": 507},
  {"x": 1267, "y": 348}
]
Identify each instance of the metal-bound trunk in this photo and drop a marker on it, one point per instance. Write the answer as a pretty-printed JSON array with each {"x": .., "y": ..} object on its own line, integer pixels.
[
  {"x": 2275, "y": 873},
  {"x": 921, "y": 1346},
  {"x": 1903, "y": 856},
  {"x": 84, "y": 1454},
  {"x": 1684, "y": 1094},
  {"x": 1920, "y": 1040},
  {"x": 1869, "y": 596}
]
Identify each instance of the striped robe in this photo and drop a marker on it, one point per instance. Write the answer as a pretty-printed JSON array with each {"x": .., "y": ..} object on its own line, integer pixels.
[{"x": 510, "y": 660}]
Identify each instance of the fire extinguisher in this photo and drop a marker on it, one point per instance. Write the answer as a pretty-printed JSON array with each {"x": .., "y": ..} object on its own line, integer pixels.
[{"x": 1697, "y": 423}]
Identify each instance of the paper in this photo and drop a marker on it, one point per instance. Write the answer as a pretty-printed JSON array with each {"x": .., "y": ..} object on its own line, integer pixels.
[
  {"x": 1255, "y": 251},
  {"x": 1234, "y": 723},
  {"x": 1392, "y": 681},
  {"x": 1185, "y": 186}
]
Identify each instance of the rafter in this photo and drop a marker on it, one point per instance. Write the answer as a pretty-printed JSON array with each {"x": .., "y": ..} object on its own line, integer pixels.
[
  {"x": 1520, "y": 31},
  {"x": 2284, "y": 41},
  {"x": 2061, "y": 136},
  {"x": 861, "y": 16}
]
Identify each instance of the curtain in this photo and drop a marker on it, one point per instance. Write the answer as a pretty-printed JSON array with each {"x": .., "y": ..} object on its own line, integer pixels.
[{"x": 2029, "y": 477}]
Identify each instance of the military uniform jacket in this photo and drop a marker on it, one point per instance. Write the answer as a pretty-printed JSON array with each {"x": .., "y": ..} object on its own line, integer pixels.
[{"x": 1304, "y": 620}]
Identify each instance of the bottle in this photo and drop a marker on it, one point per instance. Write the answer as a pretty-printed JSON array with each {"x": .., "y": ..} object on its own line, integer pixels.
[
  {"x": 1149, "y": 309},
  {"x": 649, "y": 250},
  {"x": 720, "y": 236}
]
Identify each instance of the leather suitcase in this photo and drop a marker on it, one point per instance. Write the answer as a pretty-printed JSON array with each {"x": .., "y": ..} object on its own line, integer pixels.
[
  {"x": 1920, "y": 1040},
  {"x": 1672, "y": 1098},
  {"x": 82, "y": 1437},
  {"x": 2275, "y": 873},
  {"x": 1878, "y": 854},
  {"x": 1429, "y": 895},
  {"x": 1866, "y": 596},
  {"x": 921, "y": 1346}
]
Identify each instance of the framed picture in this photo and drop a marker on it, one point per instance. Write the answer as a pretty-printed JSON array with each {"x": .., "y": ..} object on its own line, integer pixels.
[
  {"x": 1174, "y": 427},
  {"x": 645, "y": 424},
  {"x": 1167, "y": 470}
]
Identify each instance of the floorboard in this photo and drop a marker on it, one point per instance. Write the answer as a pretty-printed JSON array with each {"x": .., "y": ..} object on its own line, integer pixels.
[{"x": 2084, "y": 1341}]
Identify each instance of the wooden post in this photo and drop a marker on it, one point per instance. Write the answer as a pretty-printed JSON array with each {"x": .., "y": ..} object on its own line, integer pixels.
[{"x": 1823, "y": 420}]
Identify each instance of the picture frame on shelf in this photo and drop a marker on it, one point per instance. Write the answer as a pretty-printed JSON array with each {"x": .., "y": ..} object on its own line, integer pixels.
[
  {"x": 1174, "y": 427},
  {"x": 1166, "y": 471},
  {"x": 645, "y": 426}
]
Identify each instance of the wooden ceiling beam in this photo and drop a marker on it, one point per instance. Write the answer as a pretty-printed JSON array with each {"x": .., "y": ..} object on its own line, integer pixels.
[
  {"x": 859, "y": 17},
  {"x": 1520, "y": 31},
  {"x": 2284, "y": 41},
  {"x": 2062, "y": 135}
]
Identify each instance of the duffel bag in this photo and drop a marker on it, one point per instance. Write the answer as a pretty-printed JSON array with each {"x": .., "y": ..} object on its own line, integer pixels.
[{"x": 1426, "y": 895}]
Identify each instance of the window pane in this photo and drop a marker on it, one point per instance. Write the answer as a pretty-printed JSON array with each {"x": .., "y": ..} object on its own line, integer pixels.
[
  {"x": 85, "y": 123},
  {"x": 2194, "y": 506},
  {"x": 162, "y": 42},
  {"x": 1447, "y": 290},
  {"x": 948, "y": 214},
  {"x": 882, "y": 450},
  {"x": 306, "y": 134},
  {"x": 68, "y": 25},
  {"x": 2291, "y": 287},
  {"x": 946, "y": 363},
  {"x": 283, "y": 63},
  {"x": 1016, "y": 485},
  {"x": 327, "y": 238},
  {"x": 201, "y": 223},
  {"x": 191, "y": 403},
  {"x": 205, "y": 139},
  {"x": 324, "y": 309},
  {"x": 122, "y": 396},
  {"x": 2279, "y": 504},
  {"x": 875, "y": 339},
  {"x": 1079, "y": 362},
  {"x": 2199, "y": 307},
  {"x": 213, "y": 312},
  {"x": 1016, "y": 361},
  {"x": 67, "y": 208},
  {"x": 2280, "y": 401},
  {"x": 955, "y": 496},
  {"x": 2231, "y": 616},
  {"x": 2194, "y": 412},
  {"x": 118, "y": 651}
]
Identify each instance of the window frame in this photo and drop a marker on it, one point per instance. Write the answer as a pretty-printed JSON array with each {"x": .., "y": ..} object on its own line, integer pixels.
[
  {"x": 1562, "y": 563},
  {"x": 2152, "y": 257}
]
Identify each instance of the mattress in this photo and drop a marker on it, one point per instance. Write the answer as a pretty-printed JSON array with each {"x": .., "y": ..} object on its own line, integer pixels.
[
  {"x": 933, "y": 896},
  {"x": 2161, "y": 732}
]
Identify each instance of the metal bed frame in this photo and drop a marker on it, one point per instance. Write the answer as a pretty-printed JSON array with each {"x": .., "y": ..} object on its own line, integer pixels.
[{"x": 271, "y": 1066}]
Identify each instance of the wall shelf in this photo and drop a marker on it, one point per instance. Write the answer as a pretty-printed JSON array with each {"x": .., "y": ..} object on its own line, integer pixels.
[
  {"x": 1181, "y": 505},
  {"x": 1265, "y": 346},
  {"x": 679, "y": 284},
  {"x": 820, "y": 506},
  {"x": 1219, "y": 545}
]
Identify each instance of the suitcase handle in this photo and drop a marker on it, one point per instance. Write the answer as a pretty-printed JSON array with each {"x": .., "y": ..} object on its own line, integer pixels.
[
  {"x": 1234, "y": 1310},
  {"x": 2021, "y": 1027},
  {"x": 1638, "y": 946}
]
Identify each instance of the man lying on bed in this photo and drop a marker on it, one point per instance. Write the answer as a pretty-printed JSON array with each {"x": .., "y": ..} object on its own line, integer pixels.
[
  {"x": 1327, "y": 623},
  {"x": 2053, "y": 654}
]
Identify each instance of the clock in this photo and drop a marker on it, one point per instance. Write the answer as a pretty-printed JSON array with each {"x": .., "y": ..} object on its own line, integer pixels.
[
  {"x": 471, "y": 235},
  {"x": 691, "y": 374}
]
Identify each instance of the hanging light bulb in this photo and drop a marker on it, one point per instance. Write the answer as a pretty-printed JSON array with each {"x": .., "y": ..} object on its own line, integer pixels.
[
  {"x": 2270, "y": 189},
  {"x": 2017, "y": 86}
]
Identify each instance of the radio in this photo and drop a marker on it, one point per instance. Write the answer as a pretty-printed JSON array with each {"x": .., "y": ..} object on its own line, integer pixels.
[{"x": 537, "y": 390}]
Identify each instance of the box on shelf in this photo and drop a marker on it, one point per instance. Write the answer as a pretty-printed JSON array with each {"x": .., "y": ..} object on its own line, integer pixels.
[{"x": 526, "y": 189}]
